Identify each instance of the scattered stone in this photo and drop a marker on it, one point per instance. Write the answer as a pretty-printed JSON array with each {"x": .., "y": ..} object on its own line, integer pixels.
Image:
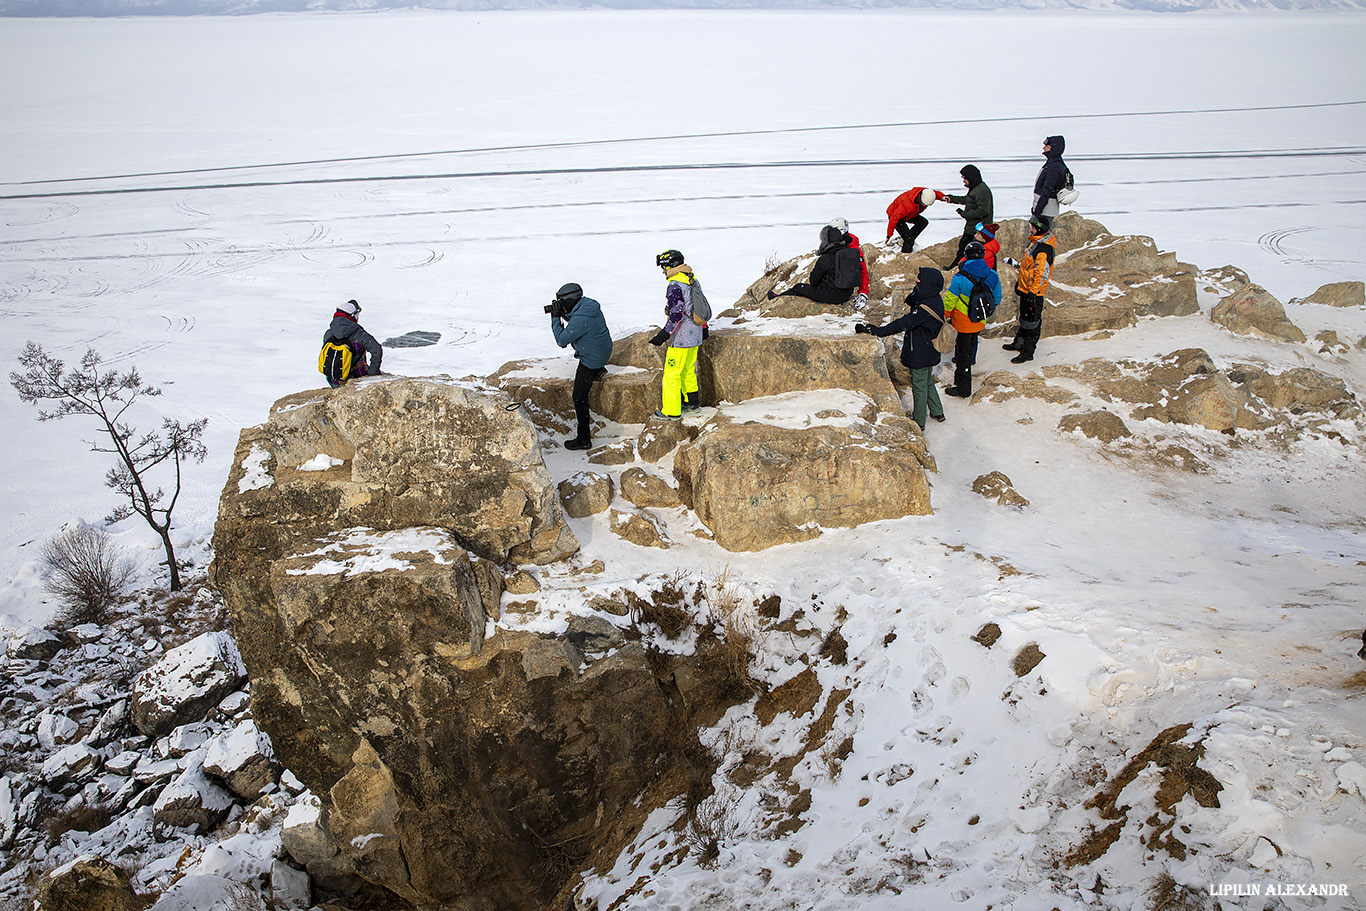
[
  {"x": 1254, "y": 311},
  {"x": 586, "y": 493},
  {"x": 997, "y": 486},
  {"x": 188, "y": 681},
  {"x": 1337, "y": 294},
  {"x": 640, "y": 528},
  {"x": 1026, "y": 659},
  {"x": 34, "y": 645},
  {"x": 1329, "y": 343},
  {"x": 659, "y": 438},
  {"x": 641, "y": 488},
  {"x": 521, "y": 582},
  {"x": 191, "y": 801},
  {"x": 56, "y": 730},
  {"x": 622, "y": 452},
  {"x": 243, "y": 759},
  {"x": 591, "y": 634},
  {"x": 70, "y": 764},
  {"x": 987, "y": 635},
  {"x": 1105, "y": 426}
]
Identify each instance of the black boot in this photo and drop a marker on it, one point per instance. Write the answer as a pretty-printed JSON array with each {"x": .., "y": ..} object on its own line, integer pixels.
[
  {"x": 1013, "y": 346},
  {"x": 578, "y": 443},
  {"x": 690, "y": 401}
]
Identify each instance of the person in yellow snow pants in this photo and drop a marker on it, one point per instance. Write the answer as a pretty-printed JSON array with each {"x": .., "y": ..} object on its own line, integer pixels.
[
  {"x": 680, "y": 380},
  {"x": 683, "y": 333}
]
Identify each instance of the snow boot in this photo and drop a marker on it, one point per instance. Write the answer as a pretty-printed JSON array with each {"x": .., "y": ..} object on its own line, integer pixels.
[{"x": 690, "y": 401}]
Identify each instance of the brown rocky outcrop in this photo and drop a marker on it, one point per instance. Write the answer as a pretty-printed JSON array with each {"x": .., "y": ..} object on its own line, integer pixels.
[
  {"x": 89, "y": 884},
  {"x": 1337, "y": 294},
  {"x": 1252, "y": 310},
  {"x": 546, "y": 389},
  {"x": 758, "y": 484},
  {"x": 586, "y": 493},
  {"x": 456, "y": 767},
  {"x": 997, "y": 486},
  {"x": 1105, "y": 426},
  {"x": 641, "y": 488}
]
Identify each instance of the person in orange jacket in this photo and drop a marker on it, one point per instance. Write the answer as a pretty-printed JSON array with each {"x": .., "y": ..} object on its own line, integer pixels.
[
  {"x": 1036, "y": 269},
  {"x": 906, "y": 211}
]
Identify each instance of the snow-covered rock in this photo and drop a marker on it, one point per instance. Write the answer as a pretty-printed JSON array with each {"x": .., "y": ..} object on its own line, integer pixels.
[
  {"x": 186, "y": 683},
  {"x": 55, "y": 730},
  {"x": 74, "y": 763},
  {"x": 192, "y": 801},
  {"x": 34, "y": 645},
  {"x": 241, "y": 757}
]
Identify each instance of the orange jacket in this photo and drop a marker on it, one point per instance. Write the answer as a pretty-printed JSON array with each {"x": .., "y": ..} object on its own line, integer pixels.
[
  {"x": 1037, "y": 266},
  {"x": 906, "y": 206}
]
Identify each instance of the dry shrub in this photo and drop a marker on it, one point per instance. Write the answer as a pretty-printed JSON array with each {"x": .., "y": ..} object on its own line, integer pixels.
[
  {"x": 711, "y": 825},
  {"x": 666, "y": 607},
  {"x": 740, "y": 629},
  {"x": 83, "y": 818},
  {"x": 84, "y": 569}
]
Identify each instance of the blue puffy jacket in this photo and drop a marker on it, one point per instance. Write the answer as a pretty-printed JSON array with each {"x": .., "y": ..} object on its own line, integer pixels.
[{"x": 586, "y": 330}]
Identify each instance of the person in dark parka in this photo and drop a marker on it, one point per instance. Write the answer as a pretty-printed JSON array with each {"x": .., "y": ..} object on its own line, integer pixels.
[
  {"x": 346, "y": 329},
  {"x": 976, "y": 206},
  {"x": 921, "y": 324},
  {"x": 835, "y": 276},
  {"x": 1051, "y": 181},
  {"x": 577, "y": 320}
]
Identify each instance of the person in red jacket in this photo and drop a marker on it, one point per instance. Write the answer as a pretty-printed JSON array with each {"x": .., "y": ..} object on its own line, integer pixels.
[
  {"x": 842, "y": 225},
  {"x": 905, "y": 212},
  {"x": 986, "y": 236}
]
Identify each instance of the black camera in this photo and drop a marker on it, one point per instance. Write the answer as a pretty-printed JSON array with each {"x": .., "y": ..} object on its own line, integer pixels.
[{"x": 556, "y": 309}]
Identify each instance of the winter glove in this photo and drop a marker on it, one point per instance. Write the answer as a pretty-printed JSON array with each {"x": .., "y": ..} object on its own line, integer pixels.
[
  {"x": 660, "y": 337},
  {"x": 862, "y": 328},
  {"x": 706, "y": 333},
  {"x": 861, "y": 300},
  {"x": 960, "y": 212}
]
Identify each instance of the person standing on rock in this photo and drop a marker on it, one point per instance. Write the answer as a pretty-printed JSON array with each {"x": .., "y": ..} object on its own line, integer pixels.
[
  {"x": 975, "y": 206},
  {"x": 1036, "y": 269},
  {"x": 836, "y": 275},
  {"x": 986, "y": 236},
  {"x": 684, "y": 335},
  {"x": 1051, "y": 181},
  {"x": 577, "y": 320},
  {"x": 346, "y": 329},
  {"x": 906, "y": 216},
  {"x": 972, "y": 272},
  {"x": 921, "y": 324}
]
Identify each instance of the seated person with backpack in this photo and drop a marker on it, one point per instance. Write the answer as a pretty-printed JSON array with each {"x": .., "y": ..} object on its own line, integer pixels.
[
  {"x": 835, "y": 276},
  {"x": 973, "y": 296},
  {"x": 345, "y": 345}
]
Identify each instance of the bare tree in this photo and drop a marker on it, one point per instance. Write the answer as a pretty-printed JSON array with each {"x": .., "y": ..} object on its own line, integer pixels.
[
  {"x": 106, "y": 396},
  {"x": 82, "y": 567}
]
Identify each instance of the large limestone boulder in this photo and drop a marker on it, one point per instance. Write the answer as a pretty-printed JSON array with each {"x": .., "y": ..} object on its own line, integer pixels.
[
  {"x": 778, "y": 470},
  {"x": 627, "y": 395},
  {"x": 1337, "y": 294},
  {"x": 736, "y": 365},
  {"x": 390, "y": 454},
  {"x": 1252, "y": 310}
]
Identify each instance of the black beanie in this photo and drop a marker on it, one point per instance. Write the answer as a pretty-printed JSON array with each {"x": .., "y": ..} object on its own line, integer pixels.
[{"x": 974, "y": 176}]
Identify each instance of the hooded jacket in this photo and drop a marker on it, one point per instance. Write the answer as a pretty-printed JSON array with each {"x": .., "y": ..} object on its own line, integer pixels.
[
  {"x": 585, "y": 329},
  {"x": 1052, "y": 178},
  {"x": 837, "y": 265},
  {"x": 907, "y": 206},
  {"x": 960, "y": 290},
  {"x": 862, "y": 262},
  {"x": 683, "y": 332},
  {"x": 344, "y": 328},
  {"x": 977, "y": 202},
  {"x": 921, "y": 327}
]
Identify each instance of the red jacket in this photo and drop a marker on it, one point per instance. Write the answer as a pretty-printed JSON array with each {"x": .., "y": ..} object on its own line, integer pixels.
[
  {"x": 992, "y": 247},
  {"x": 907, "y": 206},
  {"x": 862, "y": 263}
]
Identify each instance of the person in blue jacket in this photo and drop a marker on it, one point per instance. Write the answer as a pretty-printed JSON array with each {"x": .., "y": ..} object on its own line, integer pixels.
[
  {"x": 921, "y": 324},
  {"x": 577, "y": 320},
  {"x": 973, "y": 269}
]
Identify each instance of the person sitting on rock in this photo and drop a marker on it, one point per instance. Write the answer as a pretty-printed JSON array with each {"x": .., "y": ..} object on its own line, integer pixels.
[
  {"x": 577, "y": 320},
  {"x": 973, "y": 271},
  {"x": 921, "y": 325},
  {"x": 683, "y": 334},
  {"x": 835, "y": 276},
  {"x": 346, "y": 329},
  {"x": 1036, "y": 269},
  {"x": 977, "y": 207},
  {"x": 906, "y": 216},
  {"x": 861, "y": 298}
]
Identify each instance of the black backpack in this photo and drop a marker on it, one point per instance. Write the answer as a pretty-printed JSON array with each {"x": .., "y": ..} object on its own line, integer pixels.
[{"x": 981, "y": 303}]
